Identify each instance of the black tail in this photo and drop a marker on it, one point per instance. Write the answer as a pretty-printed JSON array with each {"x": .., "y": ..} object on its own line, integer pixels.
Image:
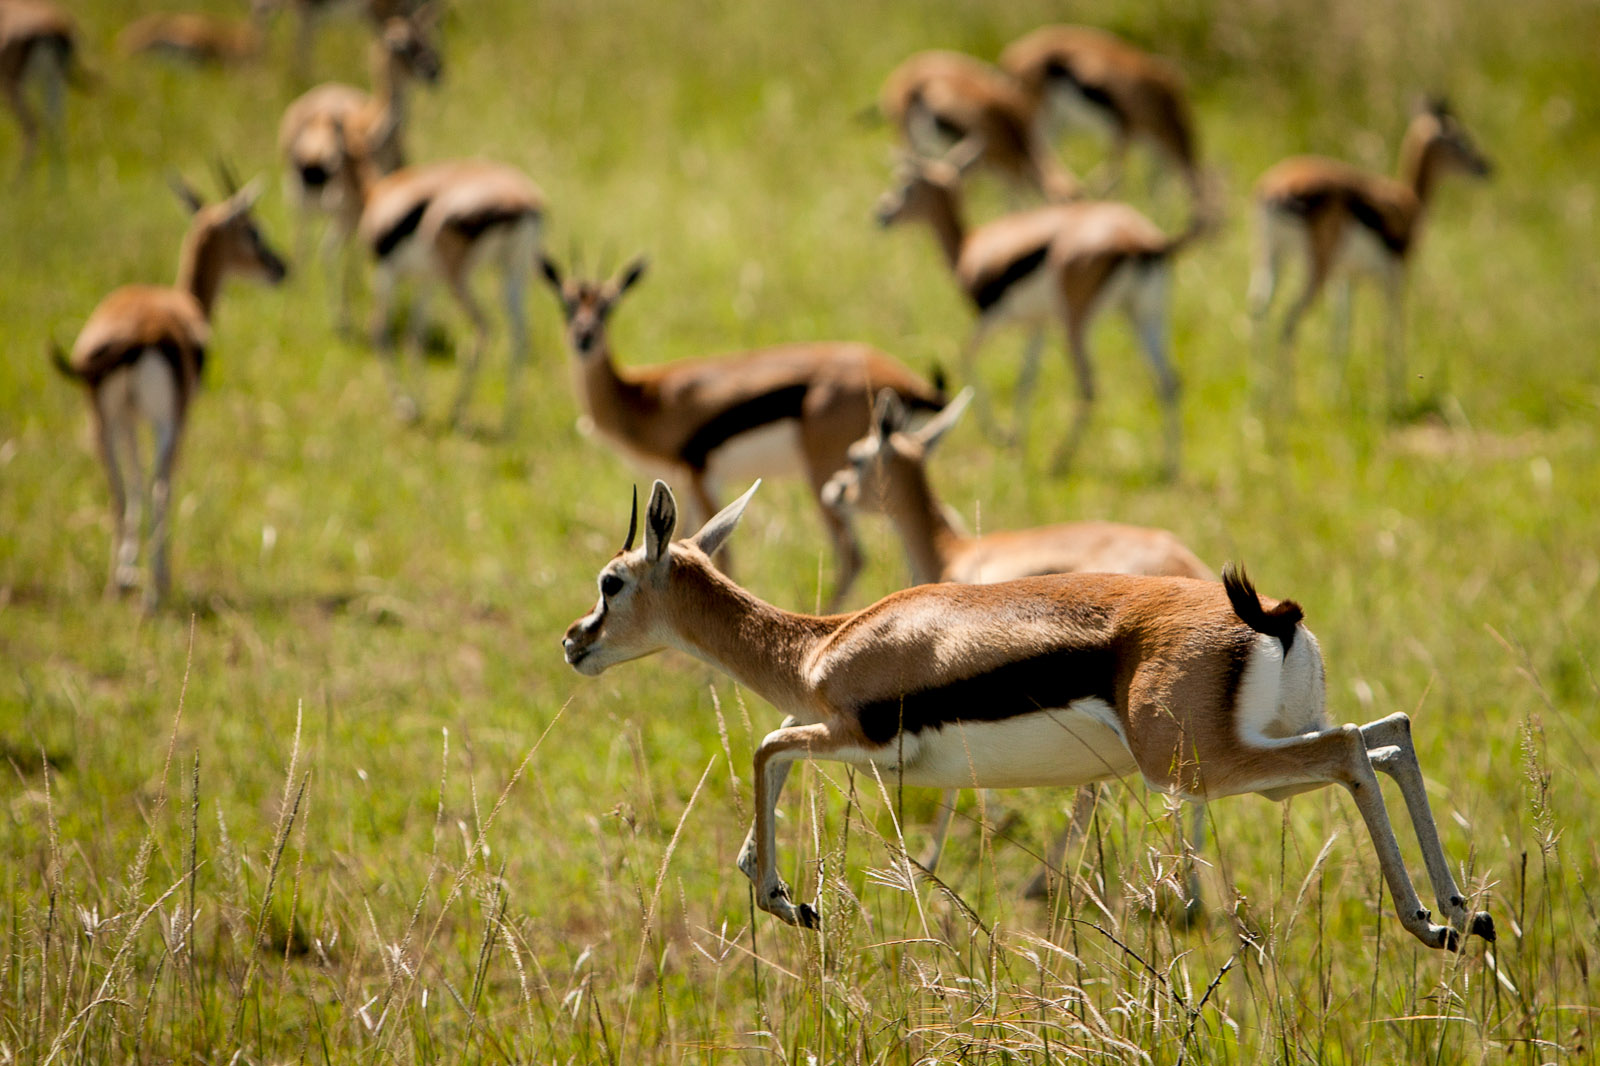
[
  {"x": 59, "y": 359},
  {"x": 1279, "y": 622}
]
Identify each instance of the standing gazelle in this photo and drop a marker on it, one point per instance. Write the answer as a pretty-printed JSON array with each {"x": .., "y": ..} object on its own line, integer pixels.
[
  {"x": 791, "y": 409},
  {"x": 140, "y": 355},
  {"x": 1076, "y": 76},
  {"x": 941, "y": 100},
  {"x": 1049, "y": 681},
  {"x": 888, "y": 473},
  {"x": 439, "y": 222},
  {"x": 38, "y": 41},
  {"x": 1064, "y": 263},
  {"x": 334, "y": 128},
  {"x": 1343, "y": 221}
]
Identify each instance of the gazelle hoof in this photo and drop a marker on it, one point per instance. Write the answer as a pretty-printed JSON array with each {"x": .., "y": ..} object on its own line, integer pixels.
[
  {"x": 1482, "y": 925},
  {"x": 1452, "y": 939},
  {"x": 807, "y": 917}
]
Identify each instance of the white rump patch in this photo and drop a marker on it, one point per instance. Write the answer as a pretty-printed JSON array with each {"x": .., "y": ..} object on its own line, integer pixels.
[{"x": 1280, "y": 697}]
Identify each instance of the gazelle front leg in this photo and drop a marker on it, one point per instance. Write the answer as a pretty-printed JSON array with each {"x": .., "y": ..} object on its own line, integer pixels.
[
  {"x": 780, "y": 748},
  {"x": 121, "y": 576}
]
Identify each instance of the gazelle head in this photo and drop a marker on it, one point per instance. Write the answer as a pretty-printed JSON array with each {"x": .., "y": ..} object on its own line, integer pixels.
[
  {"x": 228, "y": 231},
  {"x": 890, "y": 459},
  {"x": 1443, "y": 143},
  {"x": 638, "y": 598},
  {"x": 922, "y": 184},
  {"x": 585, "y": 305},
  {"x": 411, "y": 44}
]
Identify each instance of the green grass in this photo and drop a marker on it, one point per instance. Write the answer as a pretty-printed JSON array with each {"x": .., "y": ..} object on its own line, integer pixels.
[{"x": 343, "y": 801}]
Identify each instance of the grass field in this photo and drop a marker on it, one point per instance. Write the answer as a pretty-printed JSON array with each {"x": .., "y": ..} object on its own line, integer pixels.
[{"x": 343, "y": 801}]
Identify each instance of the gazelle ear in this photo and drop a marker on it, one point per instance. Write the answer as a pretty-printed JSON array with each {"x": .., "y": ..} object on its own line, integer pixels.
[
  {"x": 888, "y": 413},
  {"x": 631, "y": 274},
  {"x": 715, "y": 533},
  {"x": 945, "y": 420},
  {"x": 243, "y": 200},
  {"x": 660, "y": 520}
]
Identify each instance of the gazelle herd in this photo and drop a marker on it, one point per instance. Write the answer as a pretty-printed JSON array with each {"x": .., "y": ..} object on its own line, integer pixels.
[{"x": 1058, "y": 656}]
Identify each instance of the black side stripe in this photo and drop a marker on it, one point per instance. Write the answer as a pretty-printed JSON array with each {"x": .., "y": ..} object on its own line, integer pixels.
[
  {"x": 754, "y": 413},
  {"x": 1373, "y": 219},
  {"x": 1055, "y": 70},
  {"x": 391, "y": 238},
  {"x": 991, "y": 291},
  {"x": 471, "y": 226},
  {"x": 1051, "y": 680}
]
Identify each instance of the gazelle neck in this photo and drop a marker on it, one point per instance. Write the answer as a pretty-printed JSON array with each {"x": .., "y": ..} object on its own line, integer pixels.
[
  {"x": 947, "y": 219},
  {"x": 200, "y": 265},
  {"x": 389, "y": 90},
  {"x": 609, "y": 397},
  {"x": 1419, "y": 169},
  {"x": 930, "y": 540},
  {"x": 762, "y": 647}
]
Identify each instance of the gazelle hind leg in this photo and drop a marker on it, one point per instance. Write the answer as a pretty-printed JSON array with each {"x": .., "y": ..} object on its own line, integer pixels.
[
  {"x": 461, "y": 288},
  {"x": 939, "y": 831},
  {"x": 515, "y": 285},
  {"x": 1391, "y": 749},
  {"x": 158, "y": 400},
  {"x": 107, "y": 437},
  {"x": 1147, "y": 308},
  {"x": 1339, "y": 756},
  {"x": 1077, "y": 329}
]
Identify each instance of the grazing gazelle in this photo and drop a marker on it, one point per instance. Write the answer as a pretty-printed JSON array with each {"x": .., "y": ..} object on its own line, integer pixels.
[
  {"x": 140, "y": 355},
  {"x": 333, "y": 128},
  {"x": 888, "y": 472},
  {"x": 790, "y": 409},
  {"x": 1058, "y": 681},
  {"x": 1075, "y": 76},
  {"x": 1064, "y": 263},
  {"x": 38, "y": 41},
  {"x": 1342, "y": 220},
  {"x": 192, "y": 37},
  {"x": 942, "y": 99}
]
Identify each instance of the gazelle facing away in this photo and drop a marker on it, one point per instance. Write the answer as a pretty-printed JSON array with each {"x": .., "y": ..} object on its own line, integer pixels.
[
  {"x": 939, "y": 100},
  {"x": 1342, "y": 221},
  {"x": 1075, "y": 76},
  {"x": 1065, "y": 263},
  {"x": 791, "y": 409},
  {"x": 439, "y": 222},
  {"x": 1049, "y": 681},
  {"x": 38, "y": 42},
  {"x": 888, "y": 471},
  {"x": 140, "y": 355},
  {"x": 332, "y": 129}
]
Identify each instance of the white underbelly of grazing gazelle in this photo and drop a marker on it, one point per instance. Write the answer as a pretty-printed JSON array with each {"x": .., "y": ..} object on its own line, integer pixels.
[
  {"x": 1063, "y": 747},
  {"x": 768, "y": 451}
]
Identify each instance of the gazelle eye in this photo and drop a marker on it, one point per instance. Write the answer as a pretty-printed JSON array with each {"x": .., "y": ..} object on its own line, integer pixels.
[{"x": 610, "y": 585}]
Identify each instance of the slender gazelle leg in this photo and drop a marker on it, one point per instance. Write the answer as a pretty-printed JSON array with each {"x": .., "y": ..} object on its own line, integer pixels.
[
  {"x": 106, "y": 434},
  {"x": 462, "y": 291},
  {"x": 1148, "y": 311},
  {"x": 1077, "y": 328},
  {"x": 780, "y": 748},
  {"x": 1023, "y": 404}
]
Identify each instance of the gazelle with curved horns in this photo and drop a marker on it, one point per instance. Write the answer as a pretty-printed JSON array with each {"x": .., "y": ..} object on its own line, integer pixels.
[
  {"x": 888, "y": 473},
  {"x": 1202, "y": 689},
  {"x": 791, "y": 409},
  {"x": 334, "y": 128},
  {"x": 1064, "y": 263},
  {"x": 139, "y": 356},
  {"x": 940, "y": 100},
  {"x": 1342, "y": 221},
  {"x": 1078, "y": 76}
]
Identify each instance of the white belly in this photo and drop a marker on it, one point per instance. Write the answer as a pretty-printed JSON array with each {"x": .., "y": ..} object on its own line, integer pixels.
[
  {"x": 1071, "y": 109},
  {"x": 770, "y": 451},
  {"x": 1362, "y": 253},
  {"x": 1064, "y": 747},
  {"x": 1034, "y": 298}
]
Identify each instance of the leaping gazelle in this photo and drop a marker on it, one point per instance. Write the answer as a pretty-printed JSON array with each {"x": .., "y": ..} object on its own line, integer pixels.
[
  {"x": 1341, "y": 221},
  {"x": 140, "y": 355},
  {"x": 1065, "y": 264},
  {"x": 1201, "y": 688},
  {"x": 888, "y": 473}
]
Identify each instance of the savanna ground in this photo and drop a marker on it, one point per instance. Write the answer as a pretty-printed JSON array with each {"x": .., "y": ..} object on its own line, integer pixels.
[{"x": 342, "y": 800}]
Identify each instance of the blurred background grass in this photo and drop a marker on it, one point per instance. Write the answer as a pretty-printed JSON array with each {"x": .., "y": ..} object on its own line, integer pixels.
[{"x": 355, "y": 592}]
